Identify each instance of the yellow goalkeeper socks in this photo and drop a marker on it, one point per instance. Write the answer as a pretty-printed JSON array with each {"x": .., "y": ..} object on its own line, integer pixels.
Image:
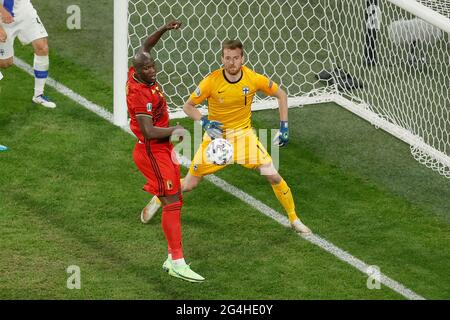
[{"x": 284, "y": 195}]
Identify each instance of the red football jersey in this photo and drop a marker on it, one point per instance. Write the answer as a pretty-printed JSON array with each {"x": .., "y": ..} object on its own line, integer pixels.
[{"x": 146, "y": 99}]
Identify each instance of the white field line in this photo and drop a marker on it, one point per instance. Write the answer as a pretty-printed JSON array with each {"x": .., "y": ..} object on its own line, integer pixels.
[{"x": 258, "y": 205}]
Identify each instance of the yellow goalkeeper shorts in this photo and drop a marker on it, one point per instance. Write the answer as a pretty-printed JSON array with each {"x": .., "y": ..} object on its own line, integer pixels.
[{"x": 248, "y": 152}]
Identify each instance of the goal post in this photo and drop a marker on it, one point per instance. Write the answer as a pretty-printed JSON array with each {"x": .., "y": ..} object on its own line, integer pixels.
[
  {"x": 120, "y": 61},
  {"x": 395, "y": 75}
]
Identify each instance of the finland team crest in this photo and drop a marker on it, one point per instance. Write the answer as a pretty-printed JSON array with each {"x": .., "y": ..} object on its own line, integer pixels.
[{"x": 245, "y": 90}]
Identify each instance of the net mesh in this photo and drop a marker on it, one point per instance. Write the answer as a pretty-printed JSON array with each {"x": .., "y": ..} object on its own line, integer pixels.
[
  {"x": 440, "y": 6},
  {"x": 381, "y": 55}
]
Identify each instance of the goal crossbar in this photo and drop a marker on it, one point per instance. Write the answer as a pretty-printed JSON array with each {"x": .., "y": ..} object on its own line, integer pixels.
[{"x": 423, "y": 12}]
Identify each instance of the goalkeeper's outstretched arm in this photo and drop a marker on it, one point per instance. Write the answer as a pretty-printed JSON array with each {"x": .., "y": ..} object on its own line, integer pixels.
[
  {"x": 191, "y": 111},
  {"x": 281, "y": 96},
  {"x": 150, "y": 42},
  {"x": 213, "y": 128}
]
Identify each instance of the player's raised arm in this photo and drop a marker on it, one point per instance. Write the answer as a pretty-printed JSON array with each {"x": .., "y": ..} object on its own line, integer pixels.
[{"x": 150, "y": 42}]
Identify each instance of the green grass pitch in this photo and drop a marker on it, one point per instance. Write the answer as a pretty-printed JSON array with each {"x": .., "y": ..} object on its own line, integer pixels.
[{"x": 70, "y": 195}]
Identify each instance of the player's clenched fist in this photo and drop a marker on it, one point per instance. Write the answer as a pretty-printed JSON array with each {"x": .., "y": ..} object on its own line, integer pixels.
[
  {"x": 173, "y": 25},
  {"x": 178, "y": 134}
]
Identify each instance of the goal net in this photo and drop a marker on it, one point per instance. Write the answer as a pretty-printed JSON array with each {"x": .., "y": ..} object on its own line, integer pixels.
[{"x": 388, "y": 61}]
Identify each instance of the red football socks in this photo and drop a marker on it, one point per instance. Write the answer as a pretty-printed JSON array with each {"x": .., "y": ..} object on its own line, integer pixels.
[{"x": 171, "y": 224}]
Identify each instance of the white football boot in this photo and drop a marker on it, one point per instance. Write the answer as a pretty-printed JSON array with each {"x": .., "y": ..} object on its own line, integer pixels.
[
  {"x": 150, "y": 209},
  {"x": 44, "y": 101},
  {"x": 299, "y": 227}
]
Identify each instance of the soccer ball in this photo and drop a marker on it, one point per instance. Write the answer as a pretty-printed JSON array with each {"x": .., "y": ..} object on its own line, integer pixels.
[{"x": 219, "y": 151}]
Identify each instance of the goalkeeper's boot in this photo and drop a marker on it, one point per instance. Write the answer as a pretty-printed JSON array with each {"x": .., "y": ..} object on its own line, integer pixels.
[
  {"x": 299, "y": 227},
  {"x": 184, "y": 272},
  {"x": 44, "y": 101},
  {"x": 150, "y": 209}
]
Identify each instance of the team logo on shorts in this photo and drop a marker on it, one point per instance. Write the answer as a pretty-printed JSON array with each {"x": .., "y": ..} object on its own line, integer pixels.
[
  {"x": 149, "y": 107},
  {"x": 169, "y": 184},
  {"x": 195, "y": 167}
]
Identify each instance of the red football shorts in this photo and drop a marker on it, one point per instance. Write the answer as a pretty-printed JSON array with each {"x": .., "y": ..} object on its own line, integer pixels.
[{"x": 155, "y": 163}]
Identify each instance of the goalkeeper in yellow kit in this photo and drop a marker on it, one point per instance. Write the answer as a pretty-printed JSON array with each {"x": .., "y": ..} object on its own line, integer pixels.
[{"x": 230, "y": 91}]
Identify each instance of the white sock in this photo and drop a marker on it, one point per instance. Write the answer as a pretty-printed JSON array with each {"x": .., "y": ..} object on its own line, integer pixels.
[
  {"x": 179, "y": 262},
  {"x": 41, "y": 65}
]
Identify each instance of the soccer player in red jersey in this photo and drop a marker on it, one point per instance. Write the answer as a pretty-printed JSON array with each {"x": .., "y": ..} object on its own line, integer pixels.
[{"x": 152, "y": 154}]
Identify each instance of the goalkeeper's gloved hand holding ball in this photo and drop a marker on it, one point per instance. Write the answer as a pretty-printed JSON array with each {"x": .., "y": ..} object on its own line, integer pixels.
[
  {"x": 213, "y": 128},
  {"x": 282, "y": 137}
]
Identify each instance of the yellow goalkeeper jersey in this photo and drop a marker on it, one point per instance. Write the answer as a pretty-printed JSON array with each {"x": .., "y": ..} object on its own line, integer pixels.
[{"x": 230, "y": 102}]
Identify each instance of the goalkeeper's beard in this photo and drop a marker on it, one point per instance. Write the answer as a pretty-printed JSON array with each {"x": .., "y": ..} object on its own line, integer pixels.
[{"x": 233, "y": 69}]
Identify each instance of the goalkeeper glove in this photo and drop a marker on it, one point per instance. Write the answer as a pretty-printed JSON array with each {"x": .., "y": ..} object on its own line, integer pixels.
[
  {"x": 213, "y": 128},
  {"x": 282, "y": 137}
]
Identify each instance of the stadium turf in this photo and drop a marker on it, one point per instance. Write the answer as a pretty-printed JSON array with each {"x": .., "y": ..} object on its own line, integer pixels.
[{"x": 71, "y": 195}]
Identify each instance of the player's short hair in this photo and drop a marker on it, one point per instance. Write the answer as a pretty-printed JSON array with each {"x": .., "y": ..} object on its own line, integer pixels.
[
  {"x": 141, "y": 59},
  {"x": 233, "y": 44}
]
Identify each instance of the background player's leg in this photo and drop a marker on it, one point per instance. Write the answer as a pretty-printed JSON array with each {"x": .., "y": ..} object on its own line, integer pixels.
[
  {"x": 6, "y": 63},
  {"x": 41, "y": 65},
  {"x": 7, "y": 50}
]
